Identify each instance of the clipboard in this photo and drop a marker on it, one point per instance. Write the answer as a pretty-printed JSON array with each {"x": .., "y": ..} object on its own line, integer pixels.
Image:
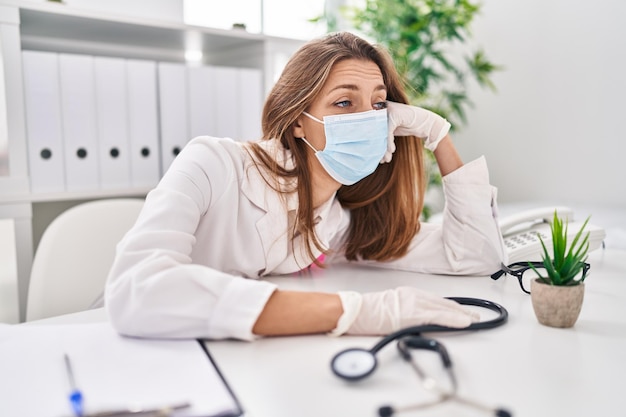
[{"x": 113, "y": 372}]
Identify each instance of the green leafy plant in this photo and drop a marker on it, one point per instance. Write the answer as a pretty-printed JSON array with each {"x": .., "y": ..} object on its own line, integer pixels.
[
  {"x": 429, "y": 41},
  {"x": 566, "y": 263}
]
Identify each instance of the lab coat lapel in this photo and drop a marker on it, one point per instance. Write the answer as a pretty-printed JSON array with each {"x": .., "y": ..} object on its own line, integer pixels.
[{"x": 273, "y": 226}]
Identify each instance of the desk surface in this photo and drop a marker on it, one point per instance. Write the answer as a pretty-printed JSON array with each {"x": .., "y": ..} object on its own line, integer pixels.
[{"x": 528, "y": 368}]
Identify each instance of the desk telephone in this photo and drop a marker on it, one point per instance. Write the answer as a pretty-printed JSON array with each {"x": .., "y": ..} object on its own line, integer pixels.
[{"x": 520, "y": 232}]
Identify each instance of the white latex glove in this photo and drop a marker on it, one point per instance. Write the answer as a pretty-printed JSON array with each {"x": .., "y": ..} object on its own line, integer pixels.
[
  {"x": 384, "y": 312},
  {"x": 406, "y": 120}
]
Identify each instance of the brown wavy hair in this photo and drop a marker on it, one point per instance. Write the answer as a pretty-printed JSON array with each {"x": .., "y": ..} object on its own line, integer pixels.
[{"x": 385, "y": 206}]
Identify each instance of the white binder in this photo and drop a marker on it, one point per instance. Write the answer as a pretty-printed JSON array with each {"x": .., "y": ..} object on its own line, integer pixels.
[
  {"x": 78, "y": 103},
  {"x": 203, "y": 100},
  {"x": 43, "y": 121},
  {"x": 143, "y": 123},
  {"x": 250, "y": 103},
  {"x": 172, "y": 110},
  {"x": 226, "y": 107},
  {"x": 112, "y": 119}
]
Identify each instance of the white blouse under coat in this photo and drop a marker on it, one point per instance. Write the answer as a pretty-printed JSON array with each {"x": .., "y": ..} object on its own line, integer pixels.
[{"x": 213, "y": 221}]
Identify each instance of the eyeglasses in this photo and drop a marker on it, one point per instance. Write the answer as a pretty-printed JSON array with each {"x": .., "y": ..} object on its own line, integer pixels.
[{"x": 524, "y": 273}]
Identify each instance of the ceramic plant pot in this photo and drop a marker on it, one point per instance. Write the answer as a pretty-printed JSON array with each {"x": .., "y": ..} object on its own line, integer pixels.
[{"x": 556, "y": 306}]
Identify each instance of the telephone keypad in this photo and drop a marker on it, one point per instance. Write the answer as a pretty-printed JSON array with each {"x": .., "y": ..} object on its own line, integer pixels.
[{"x": 524, "y": 239}]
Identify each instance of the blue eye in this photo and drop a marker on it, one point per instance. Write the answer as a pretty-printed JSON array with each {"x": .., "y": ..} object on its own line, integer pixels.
[
  {"x": 381, "y": 105},
  {"x": 343, "y": 104}
]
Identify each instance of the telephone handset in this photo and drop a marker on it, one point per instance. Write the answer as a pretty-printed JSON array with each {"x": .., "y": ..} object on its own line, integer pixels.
[{"x": 520, "y": 232}]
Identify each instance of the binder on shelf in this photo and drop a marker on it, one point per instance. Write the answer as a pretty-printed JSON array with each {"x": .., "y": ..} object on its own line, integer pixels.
[
  {"x": 173, "y": 110},
  {"x": 143, "y": 123},
  {"x": 78, "y": 104},
  {"x": 250, "y": 103},
  {"x": 203, "y": 100},
  {"x": 226, "y": 108},
  {"x": 112, "y": 122},
  {"x": 44, "y": 134}
]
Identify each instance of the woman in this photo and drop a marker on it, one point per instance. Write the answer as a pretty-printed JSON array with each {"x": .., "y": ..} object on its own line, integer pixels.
[{"x": 328, "y": 178}]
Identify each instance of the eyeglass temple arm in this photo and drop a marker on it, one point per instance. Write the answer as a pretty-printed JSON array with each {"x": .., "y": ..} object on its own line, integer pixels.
[
  {"x": 507, "y": 269},
  {"x": 496, "y": 275}
]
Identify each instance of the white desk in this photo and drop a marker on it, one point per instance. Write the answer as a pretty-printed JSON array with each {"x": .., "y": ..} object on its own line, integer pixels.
[{"x": 530, "y": 369}]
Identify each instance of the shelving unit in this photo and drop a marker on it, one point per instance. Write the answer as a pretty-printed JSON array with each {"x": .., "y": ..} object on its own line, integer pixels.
[{"x": 57, "y": 28}]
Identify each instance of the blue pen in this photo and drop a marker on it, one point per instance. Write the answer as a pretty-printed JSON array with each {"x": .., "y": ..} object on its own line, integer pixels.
[{"x": 76, "y": 397}]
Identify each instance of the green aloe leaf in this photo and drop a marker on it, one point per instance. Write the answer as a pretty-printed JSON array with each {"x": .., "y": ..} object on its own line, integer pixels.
[{"x": 567, "y": 261}]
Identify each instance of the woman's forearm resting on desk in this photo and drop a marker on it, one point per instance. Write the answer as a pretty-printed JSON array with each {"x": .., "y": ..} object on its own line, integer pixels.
[
  {"x": 375, "y": 313},
  {"x": 292, "y": 312}
]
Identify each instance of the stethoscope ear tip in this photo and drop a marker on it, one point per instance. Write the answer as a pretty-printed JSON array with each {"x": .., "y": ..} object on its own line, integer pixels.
[
  {"x": 385, "y": 411},
  {"x": 500, "y": 412}
]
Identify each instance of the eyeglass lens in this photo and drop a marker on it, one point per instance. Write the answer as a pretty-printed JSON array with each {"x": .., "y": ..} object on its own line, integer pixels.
[{"x": 528, "y": 274}]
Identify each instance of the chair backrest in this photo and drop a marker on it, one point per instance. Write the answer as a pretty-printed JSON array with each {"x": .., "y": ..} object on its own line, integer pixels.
[{"x": 75, "y": 254}]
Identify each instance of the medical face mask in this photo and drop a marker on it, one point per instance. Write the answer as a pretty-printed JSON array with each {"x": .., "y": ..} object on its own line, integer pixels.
[{"x": 355, "y": 144}]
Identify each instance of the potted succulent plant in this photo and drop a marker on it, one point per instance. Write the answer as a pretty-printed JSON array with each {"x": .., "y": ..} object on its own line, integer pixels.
[{"x": 558, "y": 291}]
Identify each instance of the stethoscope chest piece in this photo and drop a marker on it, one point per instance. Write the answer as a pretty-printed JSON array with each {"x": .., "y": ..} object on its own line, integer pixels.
[
  {"x": 353, "y": 364},
  {"x": 357, "y": 363}
]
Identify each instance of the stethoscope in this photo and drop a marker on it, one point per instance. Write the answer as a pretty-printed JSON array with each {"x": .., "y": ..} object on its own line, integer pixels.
[{"x": 357, "y": 363}]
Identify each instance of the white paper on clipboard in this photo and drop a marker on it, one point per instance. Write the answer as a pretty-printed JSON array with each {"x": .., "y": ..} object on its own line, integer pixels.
[{"x": 112, "y": 371}]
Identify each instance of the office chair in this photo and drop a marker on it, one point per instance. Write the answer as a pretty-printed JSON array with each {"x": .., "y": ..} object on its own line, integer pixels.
[{"x": 75, "y": 254}]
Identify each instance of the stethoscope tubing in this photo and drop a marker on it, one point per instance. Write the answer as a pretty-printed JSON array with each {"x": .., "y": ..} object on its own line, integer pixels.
[{"x": 502, "y": 318}]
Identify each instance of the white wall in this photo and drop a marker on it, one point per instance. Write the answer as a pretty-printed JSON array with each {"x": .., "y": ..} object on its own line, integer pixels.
[
  {"x": 164, "y": 10},
  {"x": 555, "y": 130}
]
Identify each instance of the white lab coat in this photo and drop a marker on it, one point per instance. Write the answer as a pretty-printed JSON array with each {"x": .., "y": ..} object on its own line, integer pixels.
[{"x": 213, "y": 221}]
